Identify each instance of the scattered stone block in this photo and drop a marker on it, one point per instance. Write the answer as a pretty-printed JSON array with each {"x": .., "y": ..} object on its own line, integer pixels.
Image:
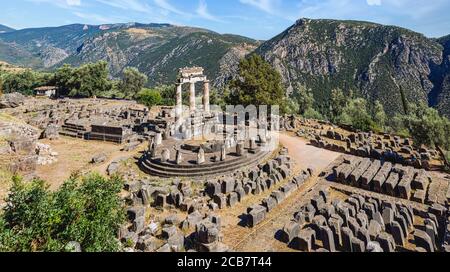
[
  {"x": 304, "y": 241},
  {"x": 256, "y": 215},
  {"x": 289, "y": 231},
  {"x": 386, "y": 242},
  {"x": 422, "y": 239}
]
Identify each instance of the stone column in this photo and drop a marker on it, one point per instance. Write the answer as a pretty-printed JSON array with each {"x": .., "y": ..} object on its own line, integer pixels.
[
  {"x": 179, "y": 157},
  {"x": 192, "y": 96},
  {"x": 206, "y": 96},
  {"x": 179, "y": 97},
  {"x": 201, "y": 156}
]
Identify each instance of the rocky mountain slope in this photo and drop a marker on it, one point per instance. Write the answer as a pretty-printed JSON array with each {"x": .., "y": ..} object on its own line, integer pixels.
[
  {"x": 386, "y": 63},
  {"x": 158, "y": 50},
  {"x": 378, "y": 62},
  {"x": 441, "y": 96}
]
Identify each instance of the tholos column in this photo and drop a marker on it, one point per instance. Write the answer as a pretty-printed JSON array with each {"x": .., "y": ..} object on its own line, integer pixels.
[
  {"x": 192, "y": 97},
  {"x": 179, "y": 106},
  {"x": 206, "y": 96}
]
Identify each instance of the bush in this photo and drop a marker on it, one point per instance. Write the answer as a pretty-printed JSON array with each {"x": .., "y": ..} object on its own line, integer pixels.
[
  {"x": 150, "y": 97},
  {"x": 87, "y": 210},
  {"x": 447, "y": 156},
  {"x": 355, "y": 114},
  {"x": 310, "y": 113},
  {"x": 427, "y": 127}
]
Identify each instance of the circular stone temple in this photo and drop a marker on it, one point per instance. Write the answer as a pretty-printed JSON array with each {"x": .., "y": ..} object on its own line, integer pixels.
[{"x": 199, "y": 142}]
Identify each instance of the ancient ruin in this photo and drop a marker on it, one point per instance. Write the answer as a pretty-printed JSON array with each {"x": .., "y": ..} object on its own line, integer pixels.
[{"x": 194, "y": 181}]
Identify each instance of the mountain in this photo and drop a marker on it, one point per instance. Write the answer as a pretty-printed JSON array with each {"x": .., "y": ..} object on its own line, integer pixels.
[
  {"x": 157, "y": 50},
  {"x": 442, "y": 95},
  {"x": 378, "y": 62},
  {"x": 15, "y": 54},
  {"x": 4, "y": 29}
]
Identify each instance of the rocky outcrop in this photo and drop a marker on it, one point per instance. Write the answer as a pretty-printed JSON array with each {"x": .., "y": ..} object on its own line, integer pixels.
[
  {"x": 229, "y": 63},
  {"x": 441, "y": 95},
  {"x": 11, "y": 100},
  {"x": 378, "y": 62}
]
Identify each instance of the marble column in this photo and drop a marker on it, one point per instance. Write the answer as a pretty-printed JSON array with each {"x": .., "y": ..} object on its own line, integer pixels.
[
  {"x": 206, "y": 96},
  {"x": 179, "y": 97},
  {"x": 192, "y": 96}
]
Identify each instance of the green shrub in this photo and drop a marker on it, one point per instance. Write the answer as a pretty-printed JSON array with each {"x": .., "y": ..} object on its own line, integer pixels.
[
  {"x": 355, "y": 114},
  {"x": 447, "y": 156},
  {"x": 150, "y": 97},
  {"x": 310, "y": 113},
  {"x": 87, "y": 210}
]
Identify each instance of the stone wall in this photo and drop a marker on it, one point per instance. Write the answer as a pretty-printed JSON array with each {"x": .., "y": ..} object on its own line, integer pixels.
[{"x": 363, "y": 224}]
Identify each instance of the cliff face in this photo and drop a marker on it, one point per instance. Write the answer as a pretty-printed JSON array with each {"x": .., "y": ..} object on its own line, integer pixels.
[
  {"x": 441, "y": 96},
  {"x": 385, "y": 63}
]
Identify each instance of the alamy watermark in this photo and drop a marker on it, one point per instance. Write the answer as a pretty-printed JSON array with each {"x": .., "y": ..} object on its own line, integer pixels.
[{"x": 231, "y": 125}]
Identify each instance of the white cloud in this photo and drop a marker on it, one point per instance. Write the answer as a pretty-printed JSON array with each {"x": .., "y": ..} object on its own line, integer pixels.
[
  {"x": 73, "y": 2},
  {"x": 134, "y": 5},
  {"x": 66, "y": 4},
  {"x": 203, "y": 12},
  {"x": 164, "y": 4},
  {"x": 93, "y": 17},
  {"x": 264, "y": 5},
  {"x": 374, "y": 2}
]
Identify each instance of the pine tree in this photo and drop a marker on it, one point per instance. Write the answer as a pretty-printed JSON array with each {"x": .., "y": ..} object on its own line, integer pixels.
[{"x": 258, "y": 83}]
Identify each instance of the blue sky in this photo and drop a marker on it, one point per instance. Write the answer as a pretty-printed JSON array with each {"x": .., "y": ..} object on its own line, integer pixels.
[{"x": 261, "y": 19}]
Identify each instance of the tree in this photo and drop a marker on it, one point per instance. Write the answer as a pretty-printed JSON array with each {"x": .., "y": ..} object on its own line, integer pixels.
[
  {"x": 311, "y": 113},
  {"x": 355, "y": 114},
  {"x": 150, "y": 97},
  {"x": 63, "y": 79},
  {"x": 304, "y": 99},
  {"x": 132, "y": 82},
  {"x": 338, "y": 102},
  {"x": 87, "y": 210},
  {"x": 257, "y": 84},
  {"x": 22, "y": 82},
  {"x": 215, "y": 98},
  {"x": 90, "y": 80},
  {"x": 427, "y": 127},
  {"x": 379, "y": 115}
]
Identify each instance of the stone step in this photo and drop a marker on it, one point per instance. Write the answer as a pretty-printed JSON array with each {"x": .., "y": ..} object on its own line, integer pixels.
[
  {"x": 205, "y": 170},
  {"x": 194, "y": 167},
  {"x": 71, "y": 134}
]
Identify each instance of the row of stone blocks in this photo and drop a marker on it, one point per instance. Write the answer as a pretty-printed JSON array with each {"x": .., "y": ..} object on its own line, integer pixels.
[
  {"x": 384, "y": 142},
  {"x": 394, "y": 180},
  {"x": 219, "y": 193},
  {"x": 356, "y": 225},
  {"x": 379, "y": 152},
  {"x": 229, "y": 190},
  {"x": 169, "y": 235},
  {"x": 257, "y": 213}
]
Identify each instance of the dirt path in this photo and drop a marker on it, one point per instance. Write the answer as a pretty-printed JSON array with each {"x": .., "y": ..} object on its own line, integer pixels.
[
  {"x": 262, "y": 237},
  {"x": 306, "y": 155}
]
